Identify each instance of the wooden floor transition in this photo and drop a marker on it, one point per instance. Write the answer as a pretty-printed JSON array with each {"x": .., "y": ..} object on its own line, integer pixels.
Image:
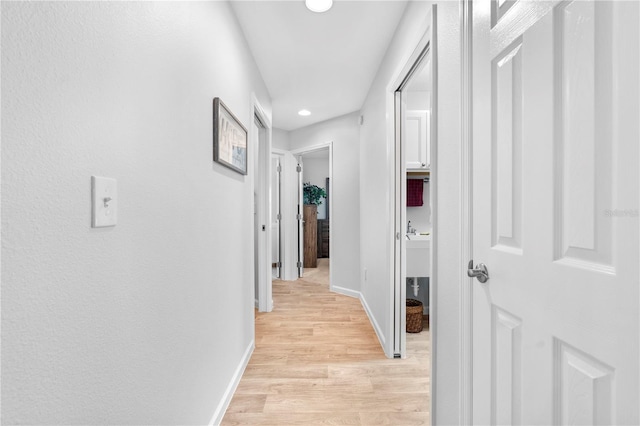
[{"x": 318, "y": 361}]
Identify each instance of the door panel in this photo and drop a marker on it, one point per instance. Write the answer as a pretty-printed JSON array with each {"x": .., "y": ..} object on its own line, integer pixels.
[
  {"x": 555, "y": 212},
  {"x": 300, "y": 217},
  {"x": 276, "y": 235}
]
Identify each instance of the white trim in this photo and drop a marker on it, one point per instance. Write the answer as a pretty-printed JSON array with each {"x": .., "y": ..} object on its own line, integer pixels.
[
  {"x": 265, "y": 299},
  {"x": 221, "y": 409},
  {"x": 308, "y": 150},
  {"x": 435, "y": 235},
  {"x": 289, "y": 201},
  {"x": 376, "y": 326},
  {"x": 429, "y": 37},
  {"x": 346, "y": 291},
  {"x": 466, "y": 217},
  {"x": 396, "y": 211}
]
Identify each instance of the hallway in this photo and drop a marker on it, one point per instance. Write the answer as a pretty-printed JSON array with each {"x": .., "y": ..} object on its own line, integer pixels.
[{"x": 318, "y": 361}]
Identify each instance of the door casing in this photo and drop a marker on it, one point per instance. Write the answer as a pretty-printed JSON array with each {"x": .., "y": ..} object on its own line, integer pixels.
[
  {"x": 264, "y": 296},
  {"x": 397, "y": 291},
  {"x": 307, "y": 150}
]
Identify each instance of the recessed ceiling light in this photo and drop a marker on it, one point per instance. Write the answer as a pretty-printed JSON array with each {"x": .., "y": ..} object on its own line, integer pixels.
[
  {"x": 318, "y": 5},
  {"x": 304, "y": 112}
]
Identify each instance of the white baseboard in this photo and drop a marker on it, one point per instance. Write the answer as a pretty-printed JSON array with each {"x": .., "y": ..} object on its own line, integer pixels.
[
  {"x": 221, "y": 409},
  {"x": 346, "y": 291},
  {"x": 257, "y": 304},
  {"x": 374, "y": 323}
]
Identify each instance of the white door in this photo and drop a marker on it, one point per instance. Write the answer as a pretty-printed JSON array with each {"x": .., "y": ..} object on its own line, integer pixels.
[
  {"x": 555, "y": 212},
  {"x": 276, "y": 216},
  {"x": 300, "y": 218}
]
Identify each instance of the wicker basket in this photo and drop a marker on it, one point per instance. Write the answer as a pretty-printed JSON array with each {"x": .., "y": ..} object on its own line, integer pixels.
[{"x": 414, "y": 316}]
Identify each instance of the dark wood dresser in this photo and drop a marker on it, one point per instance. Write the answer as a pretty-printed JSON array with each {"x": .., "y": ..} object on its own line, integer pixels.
[{"x": 323, "y": 237}]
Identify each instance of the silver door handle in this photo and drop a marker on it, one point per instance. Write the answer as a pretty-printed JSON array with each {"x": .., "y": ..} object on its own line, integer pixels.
[{"x": 480, "y": 272}]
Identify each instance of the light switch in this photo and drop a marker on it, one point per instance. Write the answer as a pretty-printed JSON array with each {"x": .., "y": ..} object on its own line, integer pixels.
[{"x": 104, "y": 195}]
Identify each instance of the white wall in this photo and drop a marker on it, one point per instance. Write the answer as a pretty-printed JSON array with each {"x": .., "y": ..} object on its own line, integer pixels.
[
  {"x": 316, "y": 172},
  {"x": 144, "y": 323},
  {"x": 280, "y": 139},
  {"x": 345, "y": 210},
  {"x": 375, "y": 169}
]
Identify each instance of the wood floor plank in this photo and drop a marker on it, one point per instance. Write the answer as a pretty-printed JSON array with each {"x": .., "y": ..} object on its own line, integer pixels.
[
  {"x": 395, "y": 419},
  {"x": 318, "y": 361},
  {"x": 301, "y": 419}
]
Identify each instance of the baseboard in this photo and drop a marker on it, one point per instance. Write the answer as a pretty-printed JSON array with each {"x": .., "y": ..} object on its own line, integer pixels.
[
  {"x": 221, "y": 409},
  {"x": 257, "y": 304},
  {"x": 374, "y": 323},
  {"x": 346, "y": 291}
]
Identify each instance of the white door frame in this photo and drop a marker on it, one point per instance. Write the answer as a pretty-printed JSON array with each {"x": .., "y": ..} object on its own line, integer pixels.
[
  {"x": 288, "y": 223},
  {"x": 398, "y": 211},
  {"x": 464, "y": 244},
  {"x": 265, "y": 298},
  {"x": 308, "y": 150},
  {"x": 276, "y": 201},
  {"x": 466, "y": 217}
]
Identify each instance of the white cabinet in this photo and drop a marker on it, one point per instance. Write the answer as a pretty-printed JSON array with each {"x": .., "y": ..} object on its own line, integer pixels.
[{"x": 417, "y": 127}]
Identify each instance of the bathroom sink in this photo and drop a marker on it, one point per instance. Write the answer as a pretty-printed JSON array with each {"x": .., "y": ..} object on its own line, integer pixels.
[
  {"x": 413, "y": 237},
  {"x": 418, "y": 241},
  {"x": 418, "y": 255}
]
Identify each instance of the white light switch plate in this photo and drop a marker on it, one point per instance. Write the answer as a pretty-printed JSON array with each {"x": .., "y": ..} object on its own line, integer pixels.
[{"x": 104, "y": 199}]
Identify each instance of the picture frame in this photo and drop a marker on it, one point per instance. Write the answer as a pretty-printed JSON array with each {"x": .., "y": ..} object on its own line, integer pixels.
[{"x": 230, "y": 138}]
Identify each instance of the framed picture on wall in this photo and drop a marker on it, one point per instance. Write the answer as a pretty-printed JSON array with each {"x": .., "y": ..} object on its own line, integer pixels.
[{"x": 229, "y": 138}]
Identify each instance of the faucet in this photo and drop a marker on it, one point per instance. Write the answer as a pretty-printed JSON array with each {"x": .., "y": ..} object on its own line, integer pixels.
[{"x": 410, "y": 230}]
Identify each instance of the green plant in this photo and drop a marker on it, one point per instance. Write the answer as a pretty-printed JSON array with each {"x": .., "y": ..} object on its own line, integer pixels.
[{"x": 313, "y": 194}]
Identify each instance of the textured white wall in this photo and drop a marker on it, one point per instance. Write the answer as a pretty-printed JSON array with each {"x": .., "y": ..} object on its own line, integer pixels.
[
  {"x": 344, "y": 132},
  {"x": 280, "y": 139},
  {"x": 375, "y": 168},
  {"x": 146, "y": 322}
]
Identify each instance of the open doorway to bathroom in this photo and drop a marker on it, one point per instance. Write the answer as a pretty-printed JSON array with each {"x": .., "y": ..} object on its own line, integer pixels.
[
  {"x": 416, "y": 120},
  {"x": 414, "y": 108}
]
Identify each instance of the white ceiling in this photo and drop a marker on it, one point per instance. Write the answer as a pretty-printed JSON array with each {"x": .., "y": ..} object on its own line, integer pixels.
[{"x": 323, "y": 62}]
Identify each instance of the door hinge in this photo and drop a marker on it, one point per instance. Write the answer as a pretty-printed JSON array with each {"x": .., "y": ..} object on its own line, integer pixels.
[
  {"x": 279, "y": 216},
  {"x": 299, "y": 264},
  {"x": 279, "y": 265},
  {"x": 298, "y": 168},
  {"x": 298, "y": 216},
  {"x": 279, "y": 169}
]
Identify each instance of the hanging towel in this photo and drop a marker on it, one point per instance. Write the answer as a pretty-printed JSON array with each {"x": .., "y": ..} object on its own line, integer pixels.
[{"x": 414, "y": 192}]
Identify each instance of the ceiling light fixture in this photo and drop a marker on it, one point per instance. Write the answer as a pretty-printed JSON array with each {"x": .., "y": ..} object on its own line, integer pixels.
[
  {"x": 318, "y": 6},
  {"x": 304, "y": 112}
]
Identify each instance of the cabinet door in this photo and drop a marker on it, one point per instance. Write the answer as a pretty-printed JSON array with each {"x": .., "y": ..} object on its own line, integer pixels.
[{"x": 416, "y": 132}]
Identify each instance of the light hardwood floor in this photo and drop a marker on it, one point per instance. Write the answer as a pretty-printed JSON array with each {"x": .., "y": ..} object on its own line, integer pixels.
[{"x": 318, "y": 361}]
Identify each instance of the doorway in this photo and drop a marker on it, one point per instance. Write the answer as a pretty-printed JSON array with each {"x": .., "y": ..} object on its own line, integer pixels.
[
  {"x": 315, "y": 168},
  {"x": 276, "y": 216},
  {"x": 261, "y": 159},
  {"x": 415, "y": 138}
]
